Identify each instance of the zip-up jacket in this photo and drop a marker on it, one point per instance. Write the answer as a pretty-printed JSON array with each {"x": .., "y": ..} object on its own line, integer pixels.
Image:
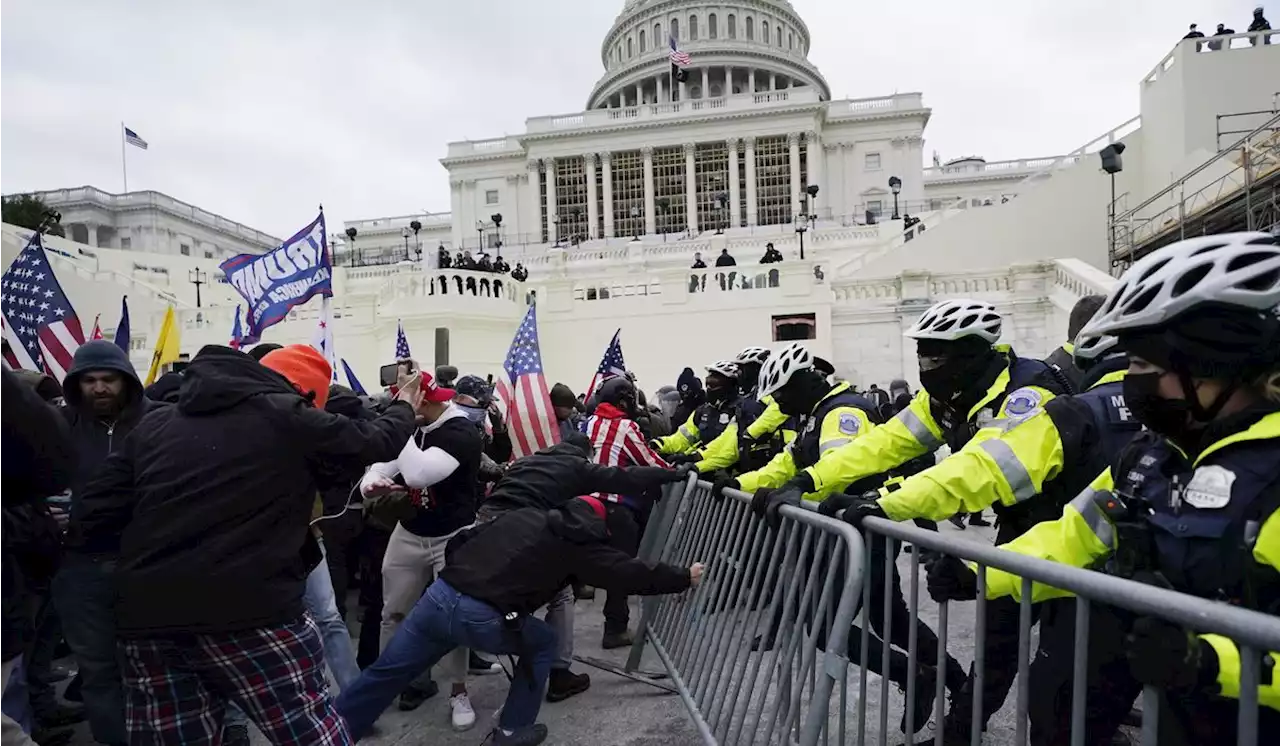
[
  {"x": 548, "y": 478},
  {"x": 94, "y": 438},
  {"x": 1210, "y": 525},
  {"x": 1029, "y": 465},
  {"x": 761, "y": 418},
  {"x": 1022, "y": 386},
  {"x": 703, "y": 426},
  {"x": 836, "y": 420}
]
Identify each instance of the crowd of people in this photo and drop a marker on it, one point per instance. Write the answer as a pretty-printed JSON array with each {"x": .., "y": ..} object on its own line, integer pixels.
[
  {"x": 497, "y": 265},
  {"x": 1259, "y": 22},
  {"x": 194, "y": 543}
]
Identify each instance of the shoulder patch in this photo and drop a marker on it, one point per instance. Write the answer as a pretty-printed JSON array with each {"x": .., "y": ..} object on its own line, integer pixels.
[
  {"x": 849, "y": 424},
  {"x": 1022, "y": 402},
  {"x": 724, "y": 418}
]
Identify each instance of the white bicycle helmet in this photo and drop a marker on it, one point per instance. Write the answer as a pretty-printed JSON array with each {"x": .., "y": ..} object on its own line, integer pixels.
[
  {"x": 726, "y": 368},
  {"x": 775, "y": 374},
  {"x": 752, "y": 355},
  {"x": 950, "y": 320},
  {"x": 1240, "y": 270},
  {"x": 1090, "y": 349}
]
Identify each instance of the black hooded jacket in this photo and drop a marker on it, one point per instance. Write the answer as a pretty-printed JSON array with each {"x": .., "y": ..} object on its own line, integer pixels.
[
  {"x": 521, "y": 560},
  {"x": 550, "y": 477},
  {"x": 208, "y": 501},
  {"x": 94, "y": 438}
]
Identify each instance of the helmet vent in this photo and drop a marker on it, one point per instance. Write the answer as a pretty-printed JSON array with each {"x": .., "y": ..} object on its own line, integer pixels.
[
  {"x": 1142, "y": 300},
  {"x": 1151, "y": 271},
  {"x": 1190, "y": 279}
]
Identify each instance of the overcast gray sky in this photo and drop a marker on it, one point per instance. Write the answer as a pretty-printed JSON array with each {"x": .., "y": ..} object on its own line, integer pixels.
[{"x": 259, "y": 110}]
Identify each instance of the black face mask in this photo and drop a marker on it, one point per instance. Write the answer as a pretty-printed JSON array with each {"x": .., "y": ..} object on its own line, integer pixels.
[
  {"x": 950, "y": 380},
  {"x": 1168, "y": 417},
  {"x": 801, "y": 394}
]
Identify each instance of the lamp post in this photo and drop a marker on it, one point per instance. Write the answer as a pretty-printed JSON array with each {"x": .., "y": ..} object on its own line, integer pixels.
[
  {"x": 722, "y": 201},
  {"x": 635, "y": 221},
  {"x": 1113, "y": 164},
  {"x": 555, "y": 231},
  {"x": 664, "y": 207},
  {"x": 812, "y": 203},
  {"x": 351, "y": 244},
  {"x": 417, "y": 243},
  {"x": 497, "y": 228},
  {"x": 575, "y": 235},
  {"x": 802, "y": 225},
  {"x": 198, "y": 278},
  {"x": 895, "y": 186},
  {"x": 405, "y": 233}
]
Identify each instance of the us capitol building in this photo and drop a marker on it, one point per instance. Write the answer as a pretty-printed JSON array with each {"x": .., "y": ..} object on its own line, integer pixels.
[{"x": 607, "y": 207}]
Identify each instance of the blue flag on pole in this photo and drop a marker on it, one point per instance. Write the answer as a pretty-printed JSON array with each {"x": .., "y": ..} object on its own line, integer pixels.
[
  {"x": 285, "y": 277},
  {"x": 402, "y": 343},
  {"x": 122, "y": 329},
  {"x": 352, "y": 381}
]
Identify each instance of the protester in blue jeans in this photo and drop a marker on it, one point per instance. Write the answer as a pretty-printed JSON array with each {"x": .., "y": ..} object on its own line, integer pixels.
[{"x": 496, "y": 576}]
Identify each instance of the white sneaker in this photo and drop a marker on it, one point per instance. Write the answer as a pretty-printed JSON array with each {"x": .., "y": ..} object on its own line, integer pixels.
[{"x": 463, "y": 715}]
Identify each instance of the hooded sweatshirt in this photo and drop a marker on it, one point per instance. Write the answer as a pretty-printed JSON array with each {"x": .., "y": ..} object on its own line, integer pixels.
[
  {"x": 208, "y": 501},
  {"x": 554, "y": 475},
  {"x": 96, "y": 438},
  {"x": 439, "y": 465},
  {"x": 520, "y": 561}
]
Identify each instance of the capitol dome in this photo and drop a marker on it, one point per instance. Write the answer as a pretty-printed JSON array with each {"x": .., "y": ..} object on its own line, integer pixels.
[{"x": 736, "y": 46}]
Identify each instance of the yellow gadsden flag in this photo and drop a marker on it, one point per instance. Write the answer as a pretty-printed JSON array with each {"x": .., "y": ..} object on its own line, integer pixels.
[{"x": 167, "y": 345}]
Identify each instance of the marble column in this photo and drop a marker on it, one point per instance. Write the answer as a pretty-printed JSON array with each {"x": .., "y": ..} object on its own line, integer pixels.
[
  {"x": 650, "y": 227},
  {"x": 532, "y": 223},
  {"x": 593, "y": 213},
  {"x": 735, "y": 208},
  {"x": 690, "y": 187},
  {"x": 706, "y": 82},
  {"x": 549, "y": 165},
  {"x": 606, "y": 167},
  {"x": 813, "y": 156},
  {"x": 661, "y": 81},
  {"x": 751, "y": 80},
  {"x": 639, "y": 94},
  {"x": 728, "y": 80},
  {"x": 751, "y": 180},
  {"x": 793, "y": 143}
]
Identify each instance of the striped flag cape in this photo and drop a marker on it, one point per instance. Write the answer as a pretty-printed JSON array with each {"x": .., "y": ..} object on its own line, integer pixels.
[
  {"x": 531, "y": 420},
  {"x": 40, "y": 325}
]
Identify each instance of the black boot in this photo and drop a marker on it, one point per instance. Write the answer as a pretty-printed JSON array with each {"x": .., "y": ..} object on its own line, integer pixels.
[
  {"x": 611, "y": 640},
  {"x": 413, "y": 697},
  {"x": 926, "y": 690},
  {"x": 583, "y": 592},
  {"x": 957, "y": 520},
  {"x": 564, "y": 683},
  {"x": 976, "y": 519}
]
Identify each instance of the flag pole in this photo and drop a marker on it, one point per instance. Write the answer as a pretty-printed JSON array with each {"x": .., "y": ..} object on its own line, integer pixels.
[{"x": 124, "y": 160}]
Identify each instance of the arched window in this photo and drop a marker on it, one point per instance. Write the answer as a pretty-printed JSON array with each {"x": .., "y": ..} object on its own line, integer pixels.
[
  {"x": 693, "y": 28},
  {"x": 764, "y": 31},
  {"x": 733, "y": 26},
  {"x": 675, "y": 28},
  {"x": 778, "y": 33},
  {"x": 657, "y": 35},
  {"x": 643, "y": 48},
  {"x": 791, "y": 40},
  {"x": 713, "y": 32},
  {"x": 631, "y": 51},
  {"x": 751, "y": 29}
]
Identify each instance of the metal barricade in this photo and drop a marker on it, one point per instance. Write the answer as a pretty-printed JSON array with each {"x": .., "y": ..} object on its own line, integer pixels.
[
  {"x": 756, "y": 651},
  {"x": 1254, "y": 633}
]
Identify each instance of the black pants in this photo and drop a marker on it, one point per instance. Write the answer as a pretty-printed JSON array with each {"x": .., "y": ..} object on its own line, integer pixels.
[
  {"x": 341, "y": 547},
  {"x": 371, "y": 547},
  {"x": 1003, "y": 617},
  {"x": 899, "y": 627},
  {"x": 625, "y": 528}
]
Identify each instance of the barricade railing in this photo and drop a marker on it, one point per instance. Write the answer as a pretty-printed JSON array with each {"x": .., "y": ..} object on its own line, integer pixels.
[
  {"x": 746, "y": 650},
  {"x": 758, "y": 652},
  {"x": 1253, "y": 632}
]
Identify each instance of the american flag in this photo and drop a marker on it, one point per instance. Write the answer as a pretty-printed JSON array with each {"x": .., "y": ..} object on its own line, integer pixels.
[
  {"x": 40, "y": 325},
  {"x": 97, "y": 330},
  {"x": 402, "y": 344},
  {"x": 611, "y": 365},
  {"x": 132, "y": 138},
  {"x": 530, "y": 418},
  {"x": 678, "y": 58},
  {"x": 322, "y": 340}
]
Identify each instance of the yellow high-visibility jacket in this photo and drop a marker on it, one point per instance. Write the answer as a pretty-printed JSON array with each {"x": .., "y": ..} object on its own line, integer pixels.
[
  {"x": 722, "y": 452},
  {"x": 1014, "y": 460},
  {"x": 1084, "y": 536},
  {"x": 689, "y": 436},
  {"x": 915, "y": 431},
  {"x": 843, "y": 418}
]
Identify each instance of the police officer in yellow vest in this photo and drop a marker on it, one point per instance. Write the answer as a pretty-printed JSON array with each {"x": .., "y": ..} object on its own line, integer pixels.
[
  {"x": 757, "y": 432},
  {"x": 1193, "y": 503},
  {"x": 710, "y": 418},
  {"x": 832, "y": 416},
  {"x": 970, "y": 384},
  {"x": 1031, "y": 469}
]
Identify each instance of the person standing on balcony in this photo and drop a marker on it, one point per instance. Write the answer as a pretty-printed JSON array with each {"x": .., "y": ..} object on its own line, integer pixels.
[
  {"x": 443, "y": 257},
  {"x": 500, "y": 265},
  {"x": 1216, "y": 44},
  {"x": 726, "y": 260},
  {"x": 1260, "y": 22},
  {"x": 697, "y": 261},
  {"x": 519, "y": 274},
  {"x": 1193, "y": 33}
]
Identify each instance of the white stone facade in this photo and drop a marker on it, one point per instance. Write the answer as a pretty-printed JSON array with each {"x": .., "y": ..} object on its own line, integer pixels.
[{"x": 152, "y": 222}]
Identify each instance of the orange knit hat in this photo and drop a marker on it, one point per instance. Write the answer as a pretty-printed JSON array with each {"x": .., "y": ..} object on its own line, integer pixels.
[{"x": 305, "y": 368}]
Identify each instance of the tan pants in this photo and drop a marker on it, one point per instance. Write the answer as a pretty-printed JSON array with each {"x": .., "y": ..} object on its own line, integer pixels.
[
  {"x": 411, "y": 562},
  {"x": 10, "y": 731}
]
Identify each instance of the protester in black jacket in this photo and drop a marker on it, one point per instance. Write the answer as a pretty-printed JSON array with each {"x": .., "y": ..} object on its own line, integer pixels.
[
  {"x": 104, "y": 403},
  {"x": 208, "y": 505},
  {"x": 342, "y": 525},
  {"x": 497, "y": 575}
]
